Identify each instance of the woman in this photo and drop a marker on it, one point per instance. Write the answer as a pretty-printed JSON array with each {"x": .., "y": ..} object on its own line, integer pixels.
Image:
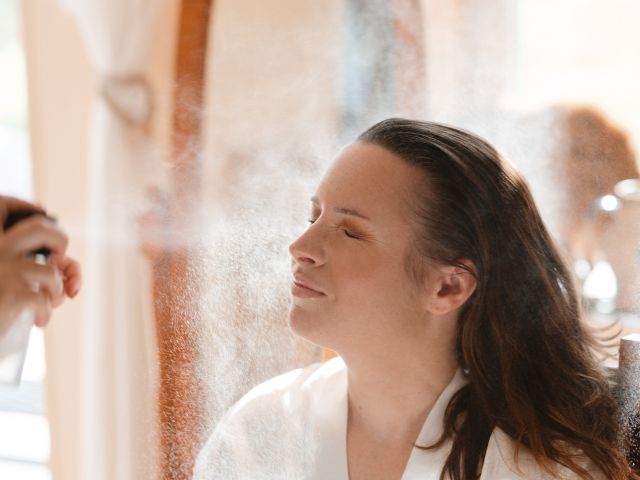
[{"x": 462, "y": 352}]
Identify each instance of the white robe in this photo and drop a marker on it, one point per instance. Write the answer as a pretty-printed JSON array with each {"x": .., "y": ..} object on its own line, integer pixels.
[{"x": 294, "y": 427}]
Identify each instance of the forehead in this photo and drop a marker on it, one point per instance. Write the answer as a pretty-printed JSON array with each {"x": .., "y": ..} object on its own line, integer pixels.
[{"x": 370, "y": 178}]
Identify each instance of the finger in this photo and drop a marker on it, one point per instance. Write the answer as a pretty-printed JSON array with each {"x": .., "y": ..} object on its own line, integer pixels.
[
  {"x": 11, "y": 204},
  {"x": 37, "y": 302},
  {"x": 46, "y": 277},
  {"x": 58, "y": 298},
  {"x": 57, "y": 301},
  {"x": 42, "y": 307},
  {"x": 72, "y": 276},
  {"x": 34, "y": 233}
]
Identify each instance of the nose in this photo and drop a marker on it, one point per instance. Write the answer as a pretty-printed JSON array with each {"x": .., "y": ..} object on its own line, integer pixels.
[{"x": 308, "y": 248}]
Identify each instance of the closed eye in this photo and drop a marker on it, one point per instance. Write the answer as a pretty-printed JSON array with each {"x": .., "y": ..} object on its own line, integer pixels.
[
  {"x": 351, "y": 235},
  {"x": 347, "y": 232}
]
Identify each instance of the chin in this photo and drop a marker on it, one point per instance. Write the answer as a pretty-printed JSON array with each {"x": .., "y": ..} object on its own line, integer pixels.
[{"x": 309, "y": 325}]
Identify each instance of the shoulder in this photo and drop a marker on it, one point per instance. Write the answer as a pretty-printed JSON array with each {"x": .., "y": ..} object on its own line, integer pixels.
[
  {"x": 504, "y": 461},
  {"x": 278, "y": 408},
  {"x": 289, "y": 390}
]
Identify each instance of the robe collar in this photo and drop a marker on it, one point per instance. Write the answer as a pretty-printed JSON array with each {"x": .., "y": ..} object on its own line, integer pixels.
[{"x": 332, "y": 409}]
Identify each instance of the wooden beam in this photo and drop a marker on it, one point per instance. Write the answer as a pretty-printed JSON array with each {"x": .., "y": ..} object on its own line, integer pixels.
[{"x": 175, "y": 292}]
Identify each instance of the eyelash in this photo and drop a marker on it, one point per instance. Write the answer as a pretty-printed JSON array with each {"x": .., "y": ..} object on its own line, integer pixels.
[{"x": 346, "y": 232}]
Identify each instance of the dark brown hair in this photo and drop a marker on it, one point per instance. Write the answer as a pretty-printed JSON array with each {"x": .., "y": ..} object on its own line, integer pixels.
[{"x": 531, "y": 361}]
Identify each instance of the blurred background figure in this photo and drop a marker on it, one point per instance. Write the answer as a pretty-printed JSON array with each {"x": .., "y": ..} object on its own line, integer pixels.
[{"x": 600, "y": 224}]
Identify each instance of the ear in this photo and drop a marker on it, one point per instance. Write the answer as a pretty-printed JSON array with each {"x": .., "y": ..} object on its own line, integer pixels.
[{"x": 450, "y": 287}]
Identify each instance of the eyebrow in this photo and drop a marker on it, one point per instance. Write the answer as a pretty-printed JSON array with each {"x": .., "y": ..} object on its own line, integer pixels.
[{"x": 342, "y": 210}]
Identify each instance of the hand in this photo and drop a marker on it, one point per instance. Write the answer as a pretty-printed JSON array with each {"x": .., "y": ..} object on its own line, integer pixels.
[{"x": 23, "y": 283}]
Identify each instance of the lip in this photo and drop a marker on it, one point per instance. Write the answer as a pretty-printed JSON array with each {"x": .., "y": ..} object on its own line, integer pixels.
[{"x": 302, "y": 288}]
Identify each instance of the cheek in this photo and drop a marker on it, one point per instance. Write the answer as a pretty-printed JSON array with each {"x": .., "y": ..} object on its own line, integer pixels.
[
  {"x": 370, "y": 293},
  {"x": 374, "y": 288}
]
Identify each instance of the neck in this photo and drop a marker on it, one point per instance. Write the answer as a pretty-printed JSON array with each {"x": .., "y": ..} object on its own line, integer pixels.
[{"x": 391, "y": 391}]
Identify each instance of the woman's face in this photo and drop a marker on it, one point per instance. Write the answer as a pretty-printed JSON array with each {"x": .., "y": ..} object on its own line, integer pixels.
[{"x": 350, "y": 286}]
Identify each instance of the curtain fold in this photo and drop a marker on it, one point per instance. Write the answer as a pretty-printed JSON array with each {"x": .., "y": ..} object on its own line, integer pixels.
[{"x": 119, "y": 374}]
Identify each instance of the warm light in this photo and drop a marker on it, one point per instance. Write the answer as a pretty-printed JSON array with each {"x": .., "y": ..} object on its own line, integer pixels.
[
  {"x": 601, "y": 284},
  {"x": 628, "y": 189},
  {"x": 609, "y": 203}
]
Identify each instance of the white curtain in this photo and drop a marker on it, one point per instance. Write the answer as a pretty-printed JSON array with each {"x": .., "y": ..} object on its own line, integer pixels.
[{"x": 119, "y": 386}]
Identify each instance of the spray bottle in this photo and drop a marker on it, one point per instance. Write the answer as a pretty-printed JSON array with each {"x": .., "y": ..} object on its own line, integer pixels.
[{"x": 14, "y": 343}]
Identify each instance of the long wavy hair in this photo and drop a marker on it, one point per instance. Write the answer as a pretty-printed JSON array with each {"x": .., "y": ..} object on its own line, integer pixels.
[{"x": 531, "y": 361}]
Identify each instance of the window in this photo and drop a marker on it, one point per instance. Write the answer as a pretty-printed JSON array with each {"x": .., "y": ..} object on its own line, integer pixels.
[{"x": 24, "y": 431}]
